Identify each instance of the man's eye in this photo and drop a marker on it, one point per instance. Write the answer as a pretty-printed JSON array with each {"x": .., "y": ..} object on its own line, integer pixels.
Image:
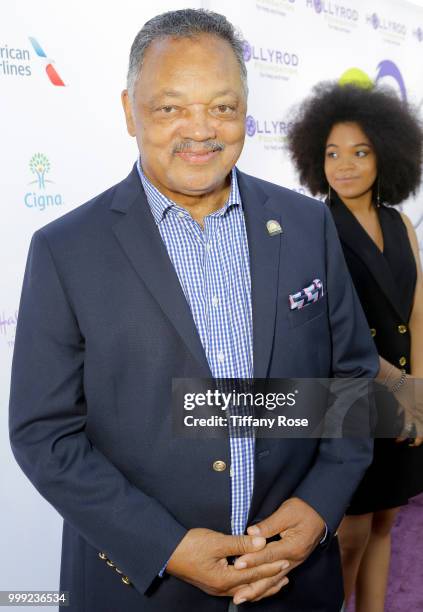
[
  {"x": 225, "y": 109},
  {"x": 167, "y": 110}
]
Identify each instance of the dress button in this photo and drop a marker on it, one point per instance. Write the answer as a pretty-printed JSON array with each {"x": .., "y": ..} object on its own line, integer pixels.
[
  {"x": 402, "y": 361},
  {"x": 402, "y": 329},
  {"x": 126, "y": 580},
  {"x": 219, "y": 466},
  {"x": 373, "y": 332}
]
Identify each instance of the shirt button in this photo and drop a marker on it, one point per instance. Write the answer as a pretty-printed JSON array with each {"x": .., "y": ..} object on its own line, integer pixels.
[
  {"x": 219, "y": 466},
  {"x": 221, "y": 357},
  {"x": 215, "y": 300},
  {"x": 181, "y": 214},
  {"x": 231, "y": 471},
  {"x": 208, "y": 246}
]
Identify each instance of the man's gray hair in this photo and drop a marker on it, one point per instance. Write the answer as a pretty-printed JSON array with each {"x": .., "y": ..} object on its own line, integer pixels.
[{"x": 184, "y": 23}]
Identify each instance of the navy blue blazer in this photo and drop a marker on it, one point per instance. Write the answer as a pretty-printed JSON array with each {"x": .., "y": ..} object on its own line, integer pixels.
[{"x": 104, "y": 326}]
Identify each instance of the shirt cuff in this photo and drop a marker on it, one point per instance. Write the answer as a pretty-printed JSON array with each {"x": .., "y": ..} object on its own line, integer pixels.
[
  {"x": 162, "y": 571},
  {"x": 322, "y": 541}
]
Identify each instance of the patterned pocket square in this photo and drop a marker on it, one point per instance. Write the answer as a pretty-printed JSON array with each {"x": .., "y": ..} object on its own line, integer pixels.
[{"x": 306, "y": 296}]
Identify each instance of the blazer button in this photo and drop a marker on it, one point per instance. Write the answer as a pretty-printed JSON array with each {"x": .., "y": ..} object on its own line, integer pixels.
[
  {"x": 118, "y": 570},
  {"x": 110, "y": 563},
  {"x": 219, "y": 466},
  {"x": 373, "y": 332},
  {"x": 402, "y": 361},
  {"x": 126, "y": 580},
  {"x": 402, "y": 329},
  {"x": 102, "y": 556}
]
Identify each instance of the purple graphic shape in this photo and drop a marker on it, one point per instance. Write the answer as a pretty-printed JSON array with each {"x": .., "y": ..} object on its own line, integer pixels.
[
  {"x": 250, "y": 125},
  {"x": 389, "y": 68},
  {"x": 318, "y": 6},
  {"x": 246, "y": 48},
  {"x": 375, "y": 21}
]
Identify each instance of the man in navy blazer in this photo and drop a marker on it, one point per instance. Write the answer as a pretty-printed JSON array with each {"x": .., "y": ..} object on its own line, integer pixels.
[{"x": 108, "y": 318}]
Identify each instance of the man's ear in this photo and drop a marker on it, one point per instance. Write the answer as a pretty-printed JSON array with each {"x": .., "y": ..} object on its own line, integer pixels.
[{"x": 127, "y": 107}]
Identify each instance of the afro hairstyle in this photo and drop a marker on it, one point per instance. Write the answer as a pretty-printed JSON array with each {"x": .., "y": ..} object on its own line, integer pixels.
[{"x": 391, "y": 125}]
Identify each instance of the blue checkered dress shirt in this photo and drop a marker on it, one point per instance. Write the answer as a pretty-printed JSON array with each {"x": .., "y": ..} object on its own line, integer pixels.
[{"x": 213, "y": 268}]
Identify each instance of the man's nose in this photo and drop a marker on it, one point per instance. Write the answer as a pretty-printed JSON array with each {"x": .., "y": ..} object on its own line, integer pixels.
[{"x": 198, "y": 125}]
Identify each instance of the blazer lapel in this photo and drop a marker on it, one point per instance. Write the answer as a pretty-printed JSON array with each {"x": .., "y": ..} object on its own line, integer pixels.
[
  {"x": 140, "y": 239},
  {"x": 264, "y": 251},
  {"x": 357, "y": 239}
]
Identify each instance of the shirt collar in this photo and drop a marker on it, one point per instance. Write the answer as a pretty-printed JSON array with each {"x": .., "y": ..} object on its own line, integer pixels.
[{"x": 161, "y": 204}]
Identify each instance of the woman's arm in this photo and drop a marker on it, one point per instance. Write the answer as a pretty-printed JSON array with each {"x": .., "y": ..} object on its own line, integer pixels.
[{"x": 416, "y": 319}]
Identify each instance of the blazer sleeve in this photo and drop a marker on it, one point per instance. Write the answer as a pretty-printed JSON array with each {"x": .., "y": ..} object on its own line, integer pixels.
[
  {"x": 341, "y": 462},
  {"x": 48, "y": 433}
]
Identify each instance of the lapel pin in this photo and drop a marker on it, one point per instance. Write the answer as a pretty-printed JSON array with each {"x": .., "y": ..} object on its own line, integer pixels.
[{"x": 273, "y": 227}]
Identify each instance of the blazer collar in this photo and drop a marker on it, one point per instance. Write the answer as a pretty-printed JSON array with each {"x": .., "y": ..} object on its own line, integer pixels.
[
  {"x": 265, "y": 254},
  {"x": 357, "y": 239},
  {"x": 140, "y": 239}
]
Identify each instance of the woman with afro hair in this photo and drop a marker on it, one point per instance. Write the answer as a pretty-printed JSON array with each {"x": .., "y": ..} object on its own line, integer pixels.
[{"x": 361, "y": 147}]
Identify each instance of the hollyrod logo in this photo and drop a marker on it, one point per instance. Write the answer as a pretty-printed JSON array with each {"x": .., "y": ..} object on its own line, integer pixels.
[
  {"x": 271, "y": 63},
  {"x": 272, "y": 133},
  {"x": 387, "y": 27},
  {"x": 49, "y": 68},
  {"x": 40, "y": 199},
  {"x": 333, "y": 9},
  {"x": 271, "y": 56}
]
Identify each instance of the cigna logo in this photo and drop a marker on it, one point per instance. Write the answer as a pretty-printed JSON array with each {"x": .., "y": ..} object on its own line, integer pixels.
[
  {"x": 51, "y": 72},
  {"x": 333, "y": 9},
  {"x": 41, "y": 196},
  {"x": 269, "y": 55},
  {"x": 387, "y": 26}
]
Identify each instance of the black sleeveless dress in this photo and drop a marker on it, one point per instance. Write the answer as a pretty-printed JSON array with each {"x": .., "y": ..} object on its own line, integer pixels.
[{"x": 385, "y": 283}]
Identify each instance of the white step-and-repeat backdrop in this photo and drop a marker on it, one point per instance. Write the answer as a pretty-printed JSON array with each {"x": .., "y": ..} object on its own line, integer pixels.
[{"x": 62, "y": 67}]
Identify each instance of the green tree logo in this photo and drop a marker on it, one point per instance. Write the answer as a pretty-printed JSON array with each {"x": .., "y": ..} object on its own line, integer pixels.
[{"x": 40, "y": 165}]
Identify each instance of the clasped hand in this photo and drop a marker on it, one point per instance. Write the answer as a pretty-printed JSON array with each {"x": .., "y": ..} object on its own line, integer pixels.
[{"x": 261, "y": 568}]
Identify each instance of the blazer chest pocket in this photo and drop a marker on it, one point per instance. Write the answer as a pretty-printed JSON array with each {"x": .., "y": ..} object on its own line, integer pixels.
[{"x": 307, "y": 313}]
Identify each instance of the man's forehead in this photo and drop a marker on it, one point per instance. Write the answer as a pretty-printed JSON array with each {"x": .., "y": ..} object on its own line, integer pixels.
[{"x": 189, "y": 52}]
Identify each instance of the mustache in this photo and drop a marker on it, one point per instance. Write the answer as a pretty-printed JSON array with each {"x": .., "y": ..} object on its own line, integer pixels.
[{"x": 197, "y": 147}]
